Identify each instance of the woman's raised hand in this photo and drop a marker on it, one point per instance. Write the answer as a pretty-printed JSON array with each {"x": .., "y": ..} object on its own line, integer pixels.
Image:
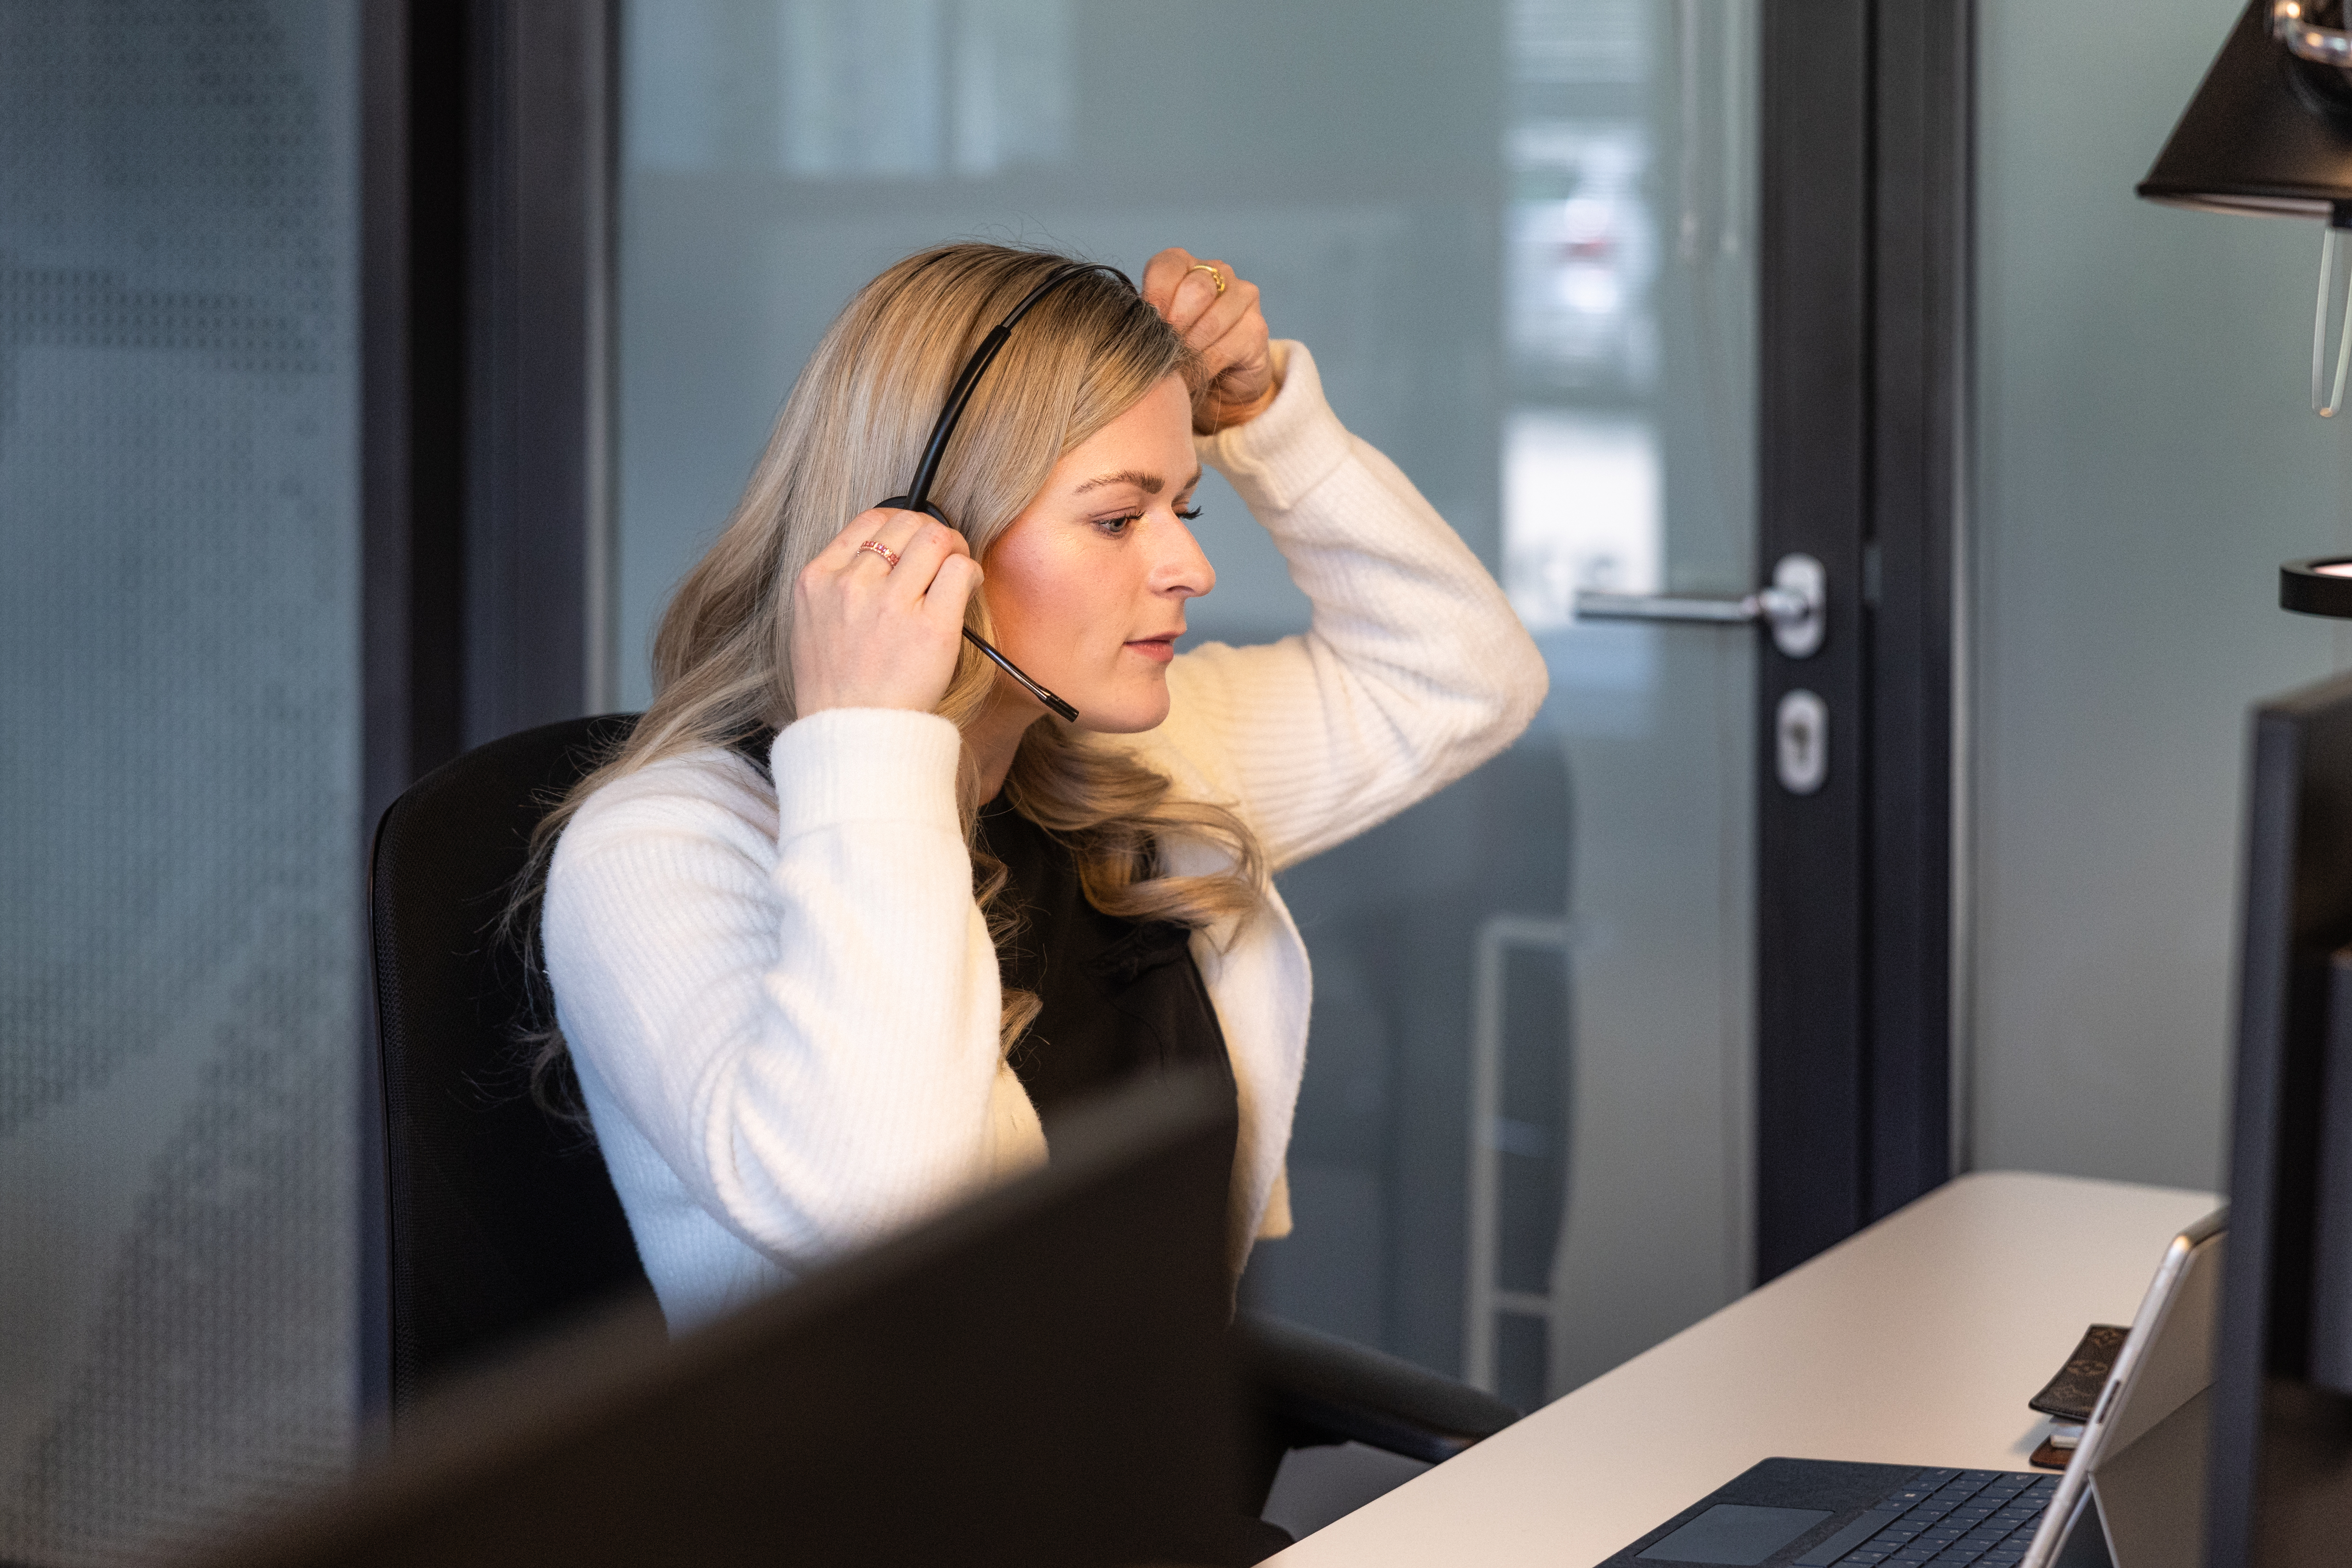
[
  {"x": 1217, "y": 310},
  {"x": 881, "y": 627}
]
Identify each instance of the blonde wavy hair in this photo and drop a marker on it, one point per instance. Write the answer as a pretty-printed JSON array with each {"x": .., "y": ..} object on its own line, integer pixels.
[{"x": 850, "y": 434}]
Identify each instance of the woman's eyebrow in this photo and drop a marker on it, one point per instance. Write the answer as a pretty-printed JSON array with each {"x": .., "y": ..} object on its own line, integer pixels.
[{"x": 1149, "y": 484}]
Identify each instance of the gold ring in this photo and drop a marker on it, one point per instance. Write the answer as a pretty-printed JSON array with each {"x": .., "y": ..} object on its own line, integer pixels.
[
  {"x": 882, "y": 550},
  {"x": 1215, "y": 276}
]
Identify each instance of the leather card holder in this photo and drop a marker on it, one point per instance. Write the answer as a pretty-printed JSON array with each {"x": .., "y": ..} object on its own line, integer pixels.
[{"x": 2074, "y": 1394}]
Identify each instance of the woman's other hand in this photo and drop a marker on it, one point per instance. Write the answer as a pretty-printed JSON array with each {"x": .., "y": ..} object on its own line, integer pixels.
[
  {"x": 876, "y": 630},
  {"x": 1224, "y": 326}
]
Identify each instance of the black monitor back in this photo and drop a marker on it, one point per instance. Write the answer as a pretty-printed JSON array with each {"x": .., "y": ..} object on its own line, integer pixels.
[
  {"x": 2281, "y": 1455},
  {"x": 1040, "y": 1378}
]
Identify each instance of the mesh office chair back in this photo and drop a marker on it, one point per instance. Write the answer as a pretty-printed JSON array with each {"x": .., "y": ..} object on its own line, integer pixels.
[{"x": 501, "y": 1218}]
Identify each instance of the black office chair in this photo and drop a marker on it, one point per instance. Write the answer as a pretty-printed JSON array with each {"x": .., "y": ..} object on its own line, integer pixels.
[{"x": 501, "y": 1218}]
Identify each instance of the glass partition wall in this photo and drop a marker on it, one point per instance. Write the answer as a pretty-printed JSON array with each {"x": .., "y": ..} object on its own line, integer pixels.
[
  {"x": 1517, "y": 237},
  {"x": 180, "y": 973}
]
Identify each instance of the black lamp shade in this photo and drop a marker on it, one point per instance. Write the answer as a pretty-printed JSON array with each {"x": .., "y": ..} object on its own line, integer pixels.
[
  {"x": 2267, "y": 132},
  {"x": 2320, "y": 586}
]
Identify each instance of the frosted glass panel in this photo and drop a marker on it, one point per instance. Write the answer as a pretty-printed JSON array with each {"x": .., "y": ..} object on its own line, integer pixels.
[
  {"x": 2145, "y": 459},
  {"x": 1516, "y": 237},
  {"x": 179, "y": 710}
]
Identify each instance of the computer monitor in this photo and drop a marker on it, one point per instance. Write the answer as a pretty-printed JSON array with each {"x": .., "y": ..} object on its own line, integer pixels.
[
  {"x": 1040, "y": 1378},
  {"x": 2279, "y": 1454}
]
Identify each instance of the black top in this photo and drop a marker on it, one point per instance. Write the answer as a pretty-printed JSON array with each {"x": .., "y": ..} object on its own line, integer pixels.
[{"x": 1120, "y": 998}]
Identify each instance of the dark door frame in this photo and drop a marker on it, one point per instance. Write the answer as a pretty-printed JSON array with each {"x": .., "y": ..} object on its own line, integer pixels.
[
  {"x": 1862, "y": 366},
  {"x": 487, "y": 183},
  {"x": 486, "y": 142}
]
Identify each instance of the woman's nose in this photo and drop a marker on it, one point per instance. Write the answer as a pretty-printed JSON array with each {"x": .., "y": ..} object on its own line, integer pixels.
[{"x": 1183, "y": 568}]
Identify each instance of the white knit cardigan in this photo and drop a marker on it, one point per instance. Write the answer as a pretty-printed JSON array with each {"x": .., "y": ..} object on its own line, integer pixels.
[{"x": 782, "y": 1000}]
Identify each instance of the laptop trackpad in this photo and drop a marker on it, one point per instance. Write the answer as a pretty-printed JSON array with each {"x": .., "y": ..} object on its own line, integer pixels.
[{"x": 1732, "y": 1532}]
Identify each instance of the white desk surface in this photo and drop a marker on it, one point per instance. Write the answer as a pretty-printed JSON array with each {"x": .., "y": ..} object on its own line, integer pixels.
[{"x": 1915, "y": 1342}]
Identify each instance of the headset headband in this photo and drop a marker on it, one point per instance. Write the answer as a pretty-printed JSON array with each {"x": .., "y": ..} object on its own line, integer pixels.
[{"x": 919, "y": 494}]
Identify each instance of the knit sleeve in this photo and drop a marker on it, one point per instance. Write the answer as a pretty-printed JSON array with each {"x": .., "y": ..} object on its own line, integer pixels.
[
  {"x": 1413, "y": 671},
  {"x": 799, "y": 1013}
]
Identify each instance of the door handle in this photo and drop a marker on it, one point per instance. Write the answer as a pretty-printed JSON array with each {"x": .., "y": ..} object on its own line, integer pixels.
[{"x": 1796, "y": 607}]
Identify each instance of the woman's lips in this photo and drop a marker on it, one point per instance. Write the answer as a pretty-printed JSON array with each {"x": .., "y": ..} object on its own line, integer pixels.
[{"x": 1157, "y": 650}]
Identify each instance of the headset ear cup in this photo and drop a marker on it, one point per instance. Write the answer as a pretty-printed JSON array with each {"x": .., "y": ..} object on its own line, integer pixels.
[{"x": 899, "y": 503}]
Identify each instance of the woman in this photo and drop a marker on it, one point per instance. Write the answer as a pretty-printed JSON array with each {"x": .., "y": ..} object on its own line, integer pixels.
[{"x": 852, "y": 918}]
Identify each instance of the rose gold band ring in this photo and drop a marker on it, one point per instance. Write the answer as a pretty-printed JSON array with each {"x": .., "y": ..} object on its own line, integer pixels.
[{"x": 882, "y": 550}]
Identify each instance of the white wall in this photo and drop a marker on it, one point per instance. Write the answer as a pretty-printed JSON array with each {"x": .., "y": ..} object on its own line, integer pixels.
[{"x": 2145, "y": 457}]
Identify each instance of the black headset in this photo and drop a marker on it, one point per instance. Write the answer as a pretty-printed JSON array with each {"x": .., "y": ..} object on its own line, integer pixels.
[{"x": 918, "y": 495}]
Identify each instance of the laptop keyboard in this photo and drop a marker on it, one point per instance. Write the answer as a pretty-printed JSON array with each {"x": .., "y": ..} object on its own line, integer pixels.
[{"x": 1944, "y": 1518}]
